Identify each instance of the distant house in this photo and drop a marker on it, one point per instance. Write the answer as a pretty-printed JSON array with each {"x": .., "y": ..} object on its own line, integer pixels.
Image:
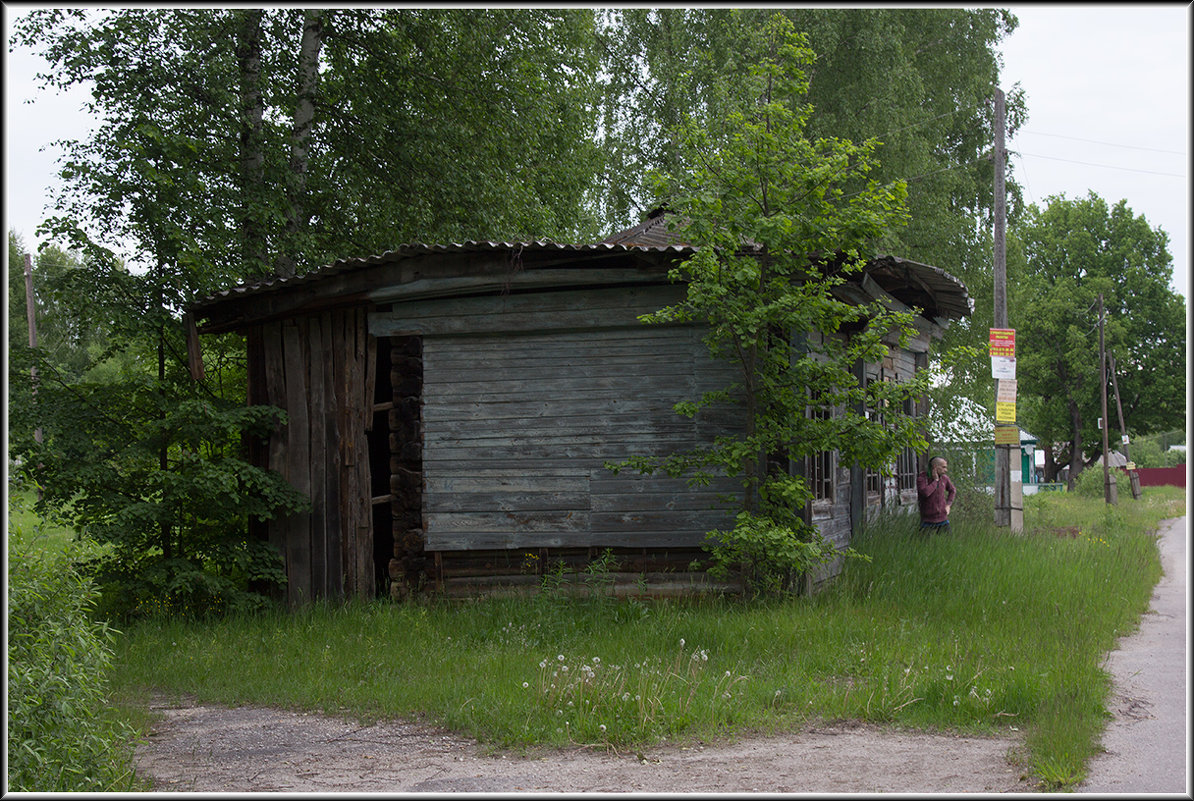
[
  {"x": 964, "y": 433},
  {"x": 452, "y": 408}
]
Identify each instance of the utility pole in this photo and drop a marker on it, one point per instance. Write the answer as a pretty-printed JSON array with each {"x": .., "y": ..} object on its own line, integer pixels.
[
  {"x": 1110, "y": 490},
  {"x": 1133, "y": 476},
  {"x": 1003, "y": 479},
  {"x": 31, "y": 318}
]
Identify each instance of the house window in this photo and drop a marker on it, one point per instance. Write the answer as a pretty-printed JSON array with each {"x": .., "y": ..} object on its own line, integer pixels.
[
  {"x": 906, "y": 461},
  {"x": 874, "y": 478},
  {"x": 819, "y": 466},
  {"x": 906, "y": 469}
]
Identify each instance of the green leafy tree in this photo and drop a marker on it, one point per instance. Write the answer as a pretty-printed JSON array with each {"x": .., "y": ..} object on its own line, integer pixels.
[
  {"x": 232, "y": 143},
  {"x": 1073, "y": 251},
  {"x": 778, "y": 224},
  {"x": 919, "y": 81}
]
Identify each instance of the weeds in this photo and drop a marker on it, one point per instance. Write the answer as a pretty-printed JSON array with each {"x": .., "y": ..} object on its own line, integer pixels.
[{"x": 972, "y": 633}]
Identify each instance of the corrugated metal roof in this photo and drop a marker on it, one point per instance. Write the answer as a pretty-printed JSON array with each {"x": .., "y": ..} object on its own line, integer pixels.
[
  {"x": 915, "y": 284},
  {"x": 341, "y": 266}
]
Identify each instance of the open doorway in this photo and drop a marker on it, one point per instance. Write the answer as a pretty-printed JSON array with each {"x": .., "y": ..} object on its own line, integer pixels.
[{"x": 396, "y": 460}]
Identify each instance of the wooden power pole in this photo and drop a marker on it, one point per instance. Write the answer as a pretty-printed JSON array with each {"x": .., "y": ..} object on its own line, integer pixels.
[
  {"x": 1110, "y": 490},
  {"x": 1133, "y": 476},
  {"x": 1003, "y": 479}
]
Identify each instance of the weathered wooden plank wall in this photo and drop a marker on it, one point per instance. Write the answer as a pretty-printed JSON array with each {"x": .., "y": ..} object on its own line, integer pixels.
[
  {"x": 517, "y": 431},
  {"x": 316, "y": 368}
]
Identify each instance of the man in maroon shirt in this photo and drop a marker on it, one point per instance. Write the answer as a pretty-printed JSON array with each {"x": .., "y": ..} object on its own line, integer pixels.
[{"x": 935, "y": 492}]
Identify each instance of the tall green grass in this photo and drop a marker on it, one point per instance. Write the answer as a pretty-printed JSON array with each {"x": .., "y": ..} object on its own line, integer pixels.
[
  {"x": 979, "y": 631},
  {"x": 63, "y": 735}
]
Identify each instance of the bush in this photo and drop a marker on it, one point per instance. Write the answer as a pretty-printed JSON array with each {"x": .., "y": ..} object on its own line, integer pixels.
[
  {"x": 1089, "y": 482},
  {"x": 61, "y": 736}
]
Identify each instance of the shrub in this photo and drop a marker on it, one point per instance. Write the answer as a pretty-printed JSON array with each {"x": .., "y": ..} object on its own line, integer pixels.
[
  {"x": 61, "y": 736},
  {"x": 1089, "y": 482}
]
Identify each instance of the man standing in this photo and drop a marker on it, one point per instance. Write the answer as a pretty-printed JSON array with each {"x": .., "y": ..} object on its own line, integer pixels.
[{"x": 935, "y": 492}]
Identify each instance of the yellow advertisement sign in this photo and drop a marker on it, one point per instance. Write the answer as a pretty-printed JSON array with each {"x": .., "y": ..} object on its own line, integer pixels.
[
  {"x": 1005, "y": 412},
  {"x": 1007, "y": 435}
]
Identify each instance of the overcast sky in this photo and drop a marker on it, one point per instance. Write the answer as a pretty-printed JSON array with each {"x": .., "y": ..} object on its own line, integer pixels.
[{"x": 1108, "y": 91}]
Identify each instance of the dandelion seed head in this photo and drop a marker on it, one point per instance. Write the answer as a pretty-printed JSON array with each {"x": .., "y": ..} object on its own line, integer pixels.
[{"x": 526, "y": 684}]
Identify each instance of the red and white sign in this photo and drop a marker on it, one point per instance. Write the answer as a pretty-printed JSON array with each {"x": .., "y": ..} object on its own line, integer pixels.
[{"x": 1003, "y": 342}]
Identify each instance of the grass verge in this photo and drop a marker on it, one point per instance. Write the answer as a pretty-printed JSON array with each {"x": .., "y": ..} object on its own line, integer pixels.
[{"x": 971, "y": 632}]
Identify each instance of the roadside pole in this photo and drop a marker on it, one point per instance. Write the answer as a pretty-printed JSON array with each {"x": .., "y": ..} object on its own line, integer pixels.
[
  {"x": 1009, "y": 509},
  {"x": 1110, "y": 490},
  {"x": 1133, "y": 476}
]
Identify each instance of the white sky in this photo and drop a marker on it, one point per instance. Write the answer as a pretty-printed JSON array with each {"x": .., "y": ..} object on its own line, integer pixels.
[{"x": 1108, "y": 98}]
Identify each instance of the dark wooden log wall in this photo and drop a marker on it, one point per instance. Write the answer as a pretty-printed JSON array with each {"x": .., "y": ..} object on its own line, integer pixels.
[{"x": 320, "y": 369}]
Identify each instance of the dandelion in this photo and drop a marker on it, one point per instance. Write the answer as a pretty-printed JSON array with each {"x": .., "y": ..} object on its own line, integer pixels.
[
  {"x": 543, "y": 664},
  {"x": 956, "y": 701},
  {"x": 560, "y": 657},
  {"x": 727, "y": 674},
  {"x": 526, "y": 684},
  {"x": 596, "y": 660},
  {"x": 681, "y": 642},
  {"x": 625, "y": 696},
  {"x": 602, "y": 727}
]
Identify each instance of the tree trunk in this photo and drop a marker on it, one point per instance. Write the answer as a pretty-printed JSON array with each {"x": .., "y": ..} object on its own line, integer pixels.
[
  {"x": 304, "y": 115},
  {"x": 252, "y": 156},
  {"x": 1050, "y": 463},
  {"x": 1076, "y": 464}
]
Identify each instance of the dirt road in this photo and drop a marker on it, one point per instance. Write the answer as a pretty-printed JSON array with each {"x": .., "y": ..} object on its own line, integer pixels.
[{"x": 215, "y": 749}]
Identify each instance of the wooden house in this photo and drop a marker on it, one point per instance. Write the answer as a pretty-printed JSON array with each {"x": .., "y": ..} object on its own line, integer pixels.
[{"x": 452, "y": 410}]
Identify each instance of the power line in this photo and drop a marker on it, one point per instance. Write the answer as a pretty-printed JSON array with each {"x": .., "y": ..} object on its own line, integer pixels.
[
  {"x": 1104, "y": 166},
  {"x": 1108, "y": 144}
]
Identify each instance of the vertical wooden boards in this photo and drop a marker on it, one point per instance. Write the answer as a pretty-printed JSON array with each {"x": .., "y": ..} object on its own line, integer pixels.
[
  {"x": 518, "y": 429},
  {"x": 360, "y": 406},
  {"x": 275, "y": 395},
  {"x": 297, "y": 528},
  {"x": 314, "y": 368}
]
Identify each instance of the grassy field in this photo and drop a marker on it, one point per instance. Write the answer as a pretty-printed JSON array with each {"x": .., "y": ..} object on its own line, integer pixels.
[{"x": 972, "y": 632}]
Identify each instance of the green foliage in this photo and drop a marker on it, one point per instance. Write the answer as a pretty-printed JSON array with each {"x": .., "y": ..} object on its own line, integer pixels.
[
  {"x": 1091, "y": 483},
  {"x": 152, "y": 470},
  {"x": 1146, "y": 452},
  {"x": 1074, "y": 250},
  {"x": 177, "y": 166},
  {"x": 770, "y": 557},
  {"x": 780, "y": 220},
  {"x": 918, "y": 80},
  {"x": 60, "y": 736}
]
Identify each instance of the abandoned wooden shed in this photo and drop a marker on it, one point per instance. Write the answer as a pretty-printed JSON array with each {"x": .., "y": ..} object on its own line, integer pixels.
[{"x": 452, "y": 410}]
